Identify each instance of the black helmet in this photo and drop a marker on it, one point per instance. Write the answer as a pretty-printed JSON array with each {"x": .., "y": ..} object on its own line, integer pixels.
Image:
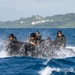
[
  {"x": 48, "y": 38},
  {"x": 32, "y": 35},
  {"x": 37, "y": 32},
  {"x": 11, "y": 35},
  {"x": 59, "y": 31}
]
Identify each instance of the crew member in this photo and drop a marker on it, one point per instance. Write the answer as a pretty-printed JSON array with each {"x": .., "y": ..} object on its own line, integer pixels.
[
  {"x": 32, "y": 40},
  {"x": 48, "y": 42},
  {"x": 60, "y": 40},
  {"x": 38, "y": 38}
]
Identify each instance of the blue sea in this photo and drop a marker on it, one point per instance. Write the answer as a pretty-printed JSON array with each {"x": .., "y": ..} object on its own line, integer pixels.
[{"x": 62, "y": 64}]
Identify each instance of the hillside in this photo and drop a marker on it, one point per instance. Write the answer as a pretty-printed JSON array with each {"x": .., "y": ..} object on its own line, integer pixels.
[{"x": 56, "y": 21}]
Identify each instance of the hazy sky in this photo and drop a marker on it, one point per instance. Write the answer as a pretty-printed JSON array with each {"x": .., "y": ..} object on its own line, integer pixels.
[{"x": 15, "y": 9}]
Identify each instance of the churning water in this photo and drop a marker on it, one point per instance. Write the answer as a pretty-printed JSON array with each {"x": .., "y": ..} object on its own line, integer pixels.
[{"x": 61, "y": 63}]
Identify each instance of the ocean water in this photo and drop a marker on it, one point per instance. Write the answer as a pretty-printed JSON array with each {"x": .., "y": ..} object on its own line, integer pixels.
[{"x": 62, "y": 64}]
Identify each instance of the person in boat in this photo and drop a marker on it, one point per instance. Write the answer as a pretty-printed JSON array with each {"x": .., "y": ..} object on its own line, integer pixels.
[
  {"x": 12, "y": 45},
  {"x": 30, "y": 45},
  {"x": 38, "y": 38},
  {"x": 32, "y": 40},
  {"x": 11, "y": 37},
  {"x": 60, "y": 40},
  {"x": 48, "y": 42}
]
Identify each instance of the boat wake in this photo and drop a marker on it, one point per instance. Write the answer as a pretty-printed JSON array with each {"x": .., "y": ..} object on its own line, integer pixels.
[
  {"x": 58, "y": 71},
  {"x": 55, "y": 60},
  {"x": 69, "y": 51},
  {"x": 3, "y": 53}
]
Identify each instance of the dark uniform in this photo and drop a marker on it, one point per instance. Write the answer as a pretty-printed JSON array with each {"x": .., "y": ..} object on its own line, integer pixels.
[
  {"x": 32, "y": 39},
  {"x": 38, "y": 38},
  {"x": 48, "y": 42},
  {"x": 30, "y": 48},
  {"x": 13, "y": 46},
  {"x": 11, "y": 37},
  {"x": 60, "y": 41}
]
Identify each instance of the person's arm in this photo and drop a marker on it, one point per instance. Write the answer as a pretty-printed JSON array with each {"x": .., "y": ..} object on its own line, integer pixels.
[
  {"x": 32, "y": 43},
  {"x": 64, "y": 42}
]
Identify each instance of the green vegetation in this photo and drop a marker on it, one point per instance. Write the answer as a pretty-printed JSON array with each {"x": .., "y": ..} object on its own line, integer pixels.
[{"x": 56, "y": 21}]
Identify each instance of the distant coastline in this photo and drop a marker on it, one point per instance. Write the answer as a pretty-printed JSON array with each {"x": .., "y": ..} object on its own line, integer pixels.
[{"x": 36, "y": 21}]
